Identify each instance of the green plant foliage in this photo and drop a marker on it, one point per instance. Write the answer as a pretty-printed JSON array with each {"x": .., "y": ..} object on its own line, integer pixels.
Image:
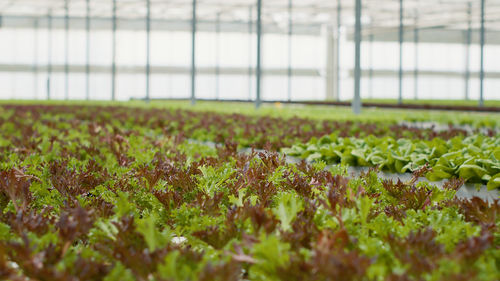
[
  {"x": 473, "y": 158},
  {"x": 127, "y": 196},
  {"x": 287, "y": 207}
]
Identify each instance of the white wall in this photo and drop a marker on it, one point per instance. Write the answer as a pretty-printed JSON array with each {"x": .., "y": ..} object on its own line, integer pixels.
[{"x": 237, "y": 50}]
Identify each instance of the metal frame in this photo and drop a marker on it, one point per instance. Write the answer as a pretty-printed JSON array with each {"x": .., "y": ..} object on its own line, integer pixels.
[
  {"x": 87, "y": 49},
  {"x": 401, "y": 41},
  {"x": 370, "y": 66},
  {"x": 113, "y": 55},
  {"x": 331, "y": 62},
  {"x": 290, "y": 33},
  {"x": 356, "y": 103},
  {"x": 148, "y": 50},
  {"x": 468, "y": 40},
  {"x": 339, "y": 30},
  {"x": 385, "y": 24},
  {"x": 379, "y": 11},
  {"x": 36, "y": 25},
  {"x": 481, "y": 68},
  {"x": 416, "y": 39},
  {"x": 217, "y": 56},
  {"x": 193, "y": 53},
  {"x": 309, "y": 12},
  {"x": 250, "y": 49},
  {"x": 66, "y": 50},
  {"x": 258, "y": 71},
  {"x": 49, "y": 55}
]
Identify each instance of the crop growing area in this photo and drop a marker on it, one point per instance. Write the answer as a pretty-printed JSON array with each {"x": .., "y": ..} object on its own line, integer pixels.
[{"x": 167, "y": 192}]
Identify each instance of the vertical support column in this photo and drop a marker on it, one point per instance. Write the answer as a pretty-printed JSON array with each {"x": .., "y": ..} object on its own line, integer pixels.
[
  {"x": 370, "y": 70},
  {"x": 49, "y": 55},
  {"x": 330, "y": 63},
  {"x": 337, "y": 55},
  {"x": 148, "y": 50},
  {"x": 193, "y": 55},
  {"x": 259, "y": 53},
  {"x": 113, "y": 59},
  {"x": 217, "y": 57},
  {"x": 35, "y": 57},
  {"x": 290, "y": 33},
  {"x": 66, "y": 49},
  {"x": 250, "y": 59},
  {"x": 468, "y": 40},
  {"x": 416, "y": 39},
  {"x": 87, "y": 50},
  {"x": 401, "y": 34},
  {"x": 356, "y": 103},
  {"x": 481, "y": 69}
]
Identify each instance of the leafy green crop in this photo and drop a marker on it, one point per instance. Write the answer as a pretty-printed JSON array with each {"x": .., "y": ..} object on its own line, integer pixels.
[
  {"x": 127, "y": 196},
  {"x": 475, "y": 158}
]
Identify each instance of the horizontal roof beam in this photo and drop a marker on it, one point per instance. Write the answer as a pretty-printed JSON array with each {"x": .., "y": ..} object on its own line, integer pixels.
[
  {"x": 156, "y": 25},
  {"x": 204, "y": 70},
  {"x": 444, "y": 36}
]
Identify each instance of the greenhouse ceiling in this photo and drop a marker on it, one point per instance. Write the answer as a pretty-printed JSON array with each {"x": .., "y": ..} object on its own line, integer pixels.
[{"x": 379, "y": 16}]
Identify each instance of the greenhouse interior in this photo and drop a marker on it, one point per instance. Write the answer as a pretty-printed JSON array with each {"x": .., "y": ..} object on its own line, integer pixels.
[{"x": 249, "y": 140}]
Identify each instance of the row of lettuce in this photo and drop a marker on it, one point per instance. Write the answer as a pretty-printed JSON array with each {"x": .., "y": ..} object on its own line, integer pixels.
[
  {"x": 81, "y": 201},
  {"x": 315, "y": 112},
  {"x": 369, "y": 114},
  {"x": 475, "y": 159},
  {"x": 397, "y": 148},
  {"x": 247, "y": 130}
]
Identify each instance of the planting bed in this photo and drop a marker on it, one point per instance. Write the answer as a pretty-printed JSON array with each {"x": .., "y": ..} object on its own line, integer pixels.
[
  {"x": 120, "y": 193},
  {"x": 474, "y": 158}
]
